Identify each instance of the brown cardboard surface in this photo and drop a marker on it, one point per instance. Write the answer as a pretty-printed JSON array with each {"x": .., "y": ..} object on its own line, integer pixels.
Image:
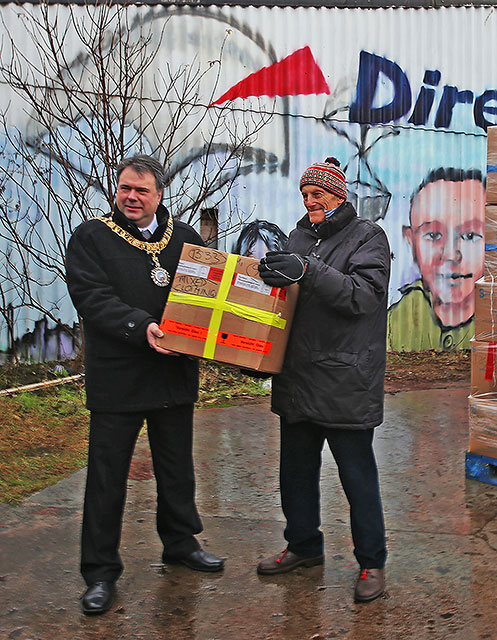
[
  {"x": 230, "y": 315},
  {"x": 491, "y": 224},
  {"x": 483, "y": 367},
  {"x": 486, "y": 310},
  {"x": 491, "y": 239},
  {"x": 490, "y": 270},
  {"x": 483, "y": 425},
  {"x": 492, "y": 165}
]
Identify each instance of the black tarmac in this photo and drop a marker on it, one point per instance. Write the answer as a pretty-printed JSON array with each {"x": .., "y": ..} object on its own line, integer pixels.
[{"x": 442, "y": 539}]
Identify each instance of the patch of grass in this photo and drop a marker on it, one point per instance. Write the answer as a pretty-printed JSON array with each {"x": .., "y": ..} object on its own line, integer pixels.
[
  {"x": 43, "y": 438},
  {"x": 29, "y": 401},
  {"x": 221, "y": 385},
  {"x": 16, "y": 374}
]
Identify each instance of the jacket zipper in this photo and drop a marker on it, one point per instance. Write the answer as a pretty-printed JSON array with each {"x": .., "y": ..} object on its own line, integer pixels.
[{"x": 313, "y": 250}]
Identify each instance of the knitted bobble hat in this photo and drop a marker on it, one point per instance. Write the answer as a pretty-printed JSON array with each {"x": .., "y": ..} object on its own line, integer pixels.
[{"x": 327, "y": 175}]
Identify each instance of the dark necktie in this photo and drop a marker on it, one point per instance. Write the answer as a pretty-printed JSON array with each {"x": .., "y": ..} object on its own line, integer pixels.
[{"x": 146, "y": 234}]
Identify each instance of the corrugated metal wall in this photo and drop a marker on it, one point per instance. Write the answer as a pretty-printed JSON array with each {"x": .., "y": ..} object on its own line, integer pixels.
[{"x": 400, "y": 96}]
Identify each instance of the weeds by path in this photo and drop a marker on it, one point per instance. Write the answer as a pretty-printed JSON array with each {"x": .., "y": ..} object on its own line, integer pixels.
[{"x": 43, "y": 438}]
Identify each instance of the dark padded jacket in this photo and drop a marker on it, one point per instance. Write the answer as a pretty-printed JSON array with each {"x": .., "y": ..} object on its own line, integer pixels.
[
  {"x": 334, "y": 367},
  {"x": 110, "y": 286}
]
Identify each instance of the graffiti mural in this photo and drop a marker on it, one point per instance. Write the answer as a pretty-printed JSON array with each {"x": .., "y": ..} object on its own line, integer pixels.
[
  {"x": 257, "y": 238},
  {"x": 402, "y": 105},
  {"x": 446, "y": 237},
  {"x": 407, "y": 120}
]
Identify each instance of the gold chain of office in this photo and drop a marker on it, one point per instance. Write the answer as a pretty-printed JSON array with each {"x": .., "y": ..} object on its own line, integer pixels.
[{"x": 159, "y": 275}]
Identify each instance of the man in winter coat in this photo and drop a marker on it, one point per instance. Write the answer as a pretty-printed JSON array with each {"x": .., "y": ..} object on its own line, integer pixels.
[
  {"x": 332, "y": 382},
  {"x": 119, "y": 270}
]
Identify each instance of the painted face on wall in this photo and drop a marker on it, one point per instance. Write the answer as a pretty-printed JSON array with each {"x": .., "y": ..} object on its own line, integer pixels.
[
  {"x": 446, "y": 237},
  {"x": 317, "y": 201}
]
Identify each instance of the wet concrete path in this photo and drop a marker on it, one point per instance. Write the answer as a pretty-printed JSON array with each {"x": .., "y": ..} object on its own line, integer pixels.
[{"x": 442, "y": 537}]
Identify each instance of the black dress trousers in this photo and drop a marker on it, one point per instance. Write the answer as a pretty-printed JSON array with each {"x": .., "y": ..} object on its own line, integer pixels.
[
  {"x": 300, "y": 466},
  {"x": 112, "y": 441}
]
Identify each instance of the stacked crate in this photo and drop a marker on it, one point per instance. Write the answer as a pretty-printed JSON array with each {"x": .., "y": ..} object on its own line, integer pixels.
[{"x": 481, "y": 459}]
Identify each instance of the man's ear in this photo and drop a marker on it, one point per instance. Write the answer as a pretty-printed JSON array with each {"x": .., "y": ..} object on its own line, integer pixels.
[{"x": 408, "y": 235}]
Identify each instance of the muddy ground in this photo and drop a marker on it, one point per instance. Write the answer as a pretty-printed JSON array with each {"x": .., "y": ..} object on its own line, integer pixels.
[{"x": 426, "y": 370}]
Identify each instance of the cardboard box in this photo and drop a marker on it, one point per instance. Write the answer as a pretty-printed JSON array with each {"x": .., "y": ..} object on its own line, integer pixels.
[
  {"x": 491, "y": 240},
  {"x": 490, "y": 270},
  {"x": 486, "y": 310},
  {"x": 483, "y": 367},
  {"x": 483, "y": 425},
  {"x": 490, "y": 225},
  {"x": 492, "y": 165},
  {"x": 220, "y": 309}
]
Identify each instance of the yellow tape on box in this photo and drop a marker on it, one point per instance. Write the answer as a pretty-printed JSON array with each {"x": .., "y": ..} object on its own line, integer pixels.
[{"x": 229, "y": 286}]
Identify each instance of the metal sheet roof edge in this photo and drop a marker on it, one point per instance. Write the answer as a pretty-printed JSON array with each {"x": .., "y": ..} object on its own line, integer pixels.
[{"x": 328, "y": 4}]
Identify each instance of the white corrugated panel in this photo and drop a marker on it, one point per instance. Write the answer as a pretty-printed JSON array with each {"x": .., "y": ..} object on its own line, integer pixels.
[{"x": 376, "y": 107}]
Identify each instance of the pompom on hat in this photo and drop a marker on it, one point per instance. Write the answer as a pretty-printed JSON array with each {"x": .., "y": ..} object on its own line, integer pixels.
[{"x": 327, "y": 175}]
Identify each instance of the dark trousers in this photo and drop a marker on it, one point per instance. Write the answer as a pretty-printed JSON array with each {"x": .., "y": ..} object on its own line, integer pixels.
[
  {"x": 300, "y": 464},
  {"x": 112, "y": 441}
]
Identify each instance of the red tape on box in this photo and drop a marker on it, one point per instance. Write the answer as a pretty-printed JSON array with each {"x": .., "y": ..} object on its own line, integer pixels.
[
  {"x": 231, "y": 340},
  {"x": 243, "y": 342},
  {"x": 176, "y": 328},
  {"x": 491, "y": 353}
]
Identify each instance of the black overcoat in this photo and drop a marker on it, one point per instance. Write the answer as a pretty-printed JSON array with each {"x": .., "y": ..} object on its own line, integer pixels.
[
  {"x": 334, "y": 367},
  {"x": 109, "y": 283}
]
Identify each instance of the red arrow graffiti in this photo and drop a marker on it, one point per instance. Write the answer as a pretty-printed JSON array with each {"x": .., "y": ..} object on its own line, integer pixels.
[{"x": 297, "y": 74}]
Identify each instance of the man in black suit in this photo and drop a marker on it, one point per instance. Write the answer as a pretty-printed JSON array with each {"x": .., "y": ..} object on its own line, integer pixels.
[{"x": 119, "y": 270}]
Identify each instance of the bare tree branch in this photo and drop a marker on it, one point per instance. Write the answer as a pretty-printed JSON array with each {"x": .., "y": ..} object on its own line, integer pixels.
[{"x": 94, "y": 89}]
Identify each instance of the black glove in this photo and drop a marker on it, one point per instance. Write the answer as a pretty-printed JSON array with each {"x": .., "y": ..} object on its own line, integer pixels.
[{"x": 281, "y": 268}]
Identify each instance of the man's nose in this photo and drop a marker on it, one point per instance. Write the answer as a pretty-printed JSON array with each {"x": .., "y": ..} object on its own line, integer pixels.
[
  {"x": 451, "y": 252},
  {"x": 132, "y": 194}
]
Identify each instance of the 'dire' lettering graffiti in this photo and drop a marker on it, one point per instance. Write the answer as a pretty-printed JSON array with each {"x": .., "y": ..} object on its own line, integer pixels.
[{"x": 364, "y": 111}]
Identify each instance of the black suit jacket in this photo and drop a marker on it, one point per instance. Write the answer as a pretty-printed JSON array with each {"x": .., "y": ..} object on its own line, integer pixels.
[{"x": 109, "y": 283}]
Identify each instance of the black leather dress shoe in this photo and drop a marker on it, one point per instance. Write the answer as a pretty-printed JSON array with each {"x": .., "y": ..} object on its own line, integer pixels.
[
  {"x": 98, "y": 597},
  {"x": 198, "y": 560}
]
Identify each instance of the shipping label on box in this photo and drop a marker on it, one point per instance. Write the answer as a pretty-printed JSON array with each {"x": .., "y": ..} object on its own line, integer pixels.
[
  {"x": 492, "y": 165},
  {"x": 483, "y": 367},
  {"x": 486, "y": 310},
  {"x": 220, "y": 309},
  {"x": 483, "y": 425}
]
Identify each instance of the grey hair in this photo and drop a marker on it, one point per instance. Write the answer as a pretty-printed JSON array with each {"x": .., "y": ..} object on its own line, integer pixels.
[{"x": 143, "y": 164}]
